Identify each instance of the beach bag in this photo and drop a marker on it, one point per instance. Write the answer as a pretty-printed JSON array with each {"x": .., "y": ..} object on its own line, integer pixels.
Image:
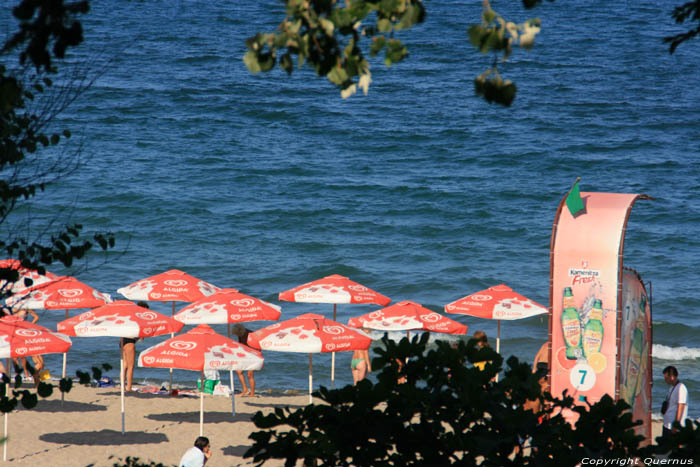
[
  {"x": 222, "y": 390},
  {"x": 105, "y": 382},
  {"x": 664, "y": 407},
  {"x": 209, "y": 385}
]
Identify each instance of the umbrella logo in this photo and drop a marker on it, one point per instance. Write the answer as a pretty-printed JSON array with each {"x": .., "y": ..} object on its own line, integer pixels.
[
  {"x": 87, "y": 315},
  {"x": 376, "y": 315},
  {"x": 183, "y": 345},
  {"x": 146, "y": 315},
  {"x": 335, "y": 330},
  {"x": 330, "y": 347},
  {"x": 215, "y": 363},
  {"x": 21, "y": 351},
  {"x": 235, "y": 317},
  {"x": 176, "y": 283},
  {"x": 357, "y": 288},
  {"x": 431, "y": 318},
  {"x": 155, "y": 295},
  {"x": 481, "y": 298},
  {"x": 70, "y": 293},
  {"x": 244, "y": 302},
  {"x": 148, "y": 360},
  {"x": 28, "y": 332},
  {"x": 147, "y": 331}
]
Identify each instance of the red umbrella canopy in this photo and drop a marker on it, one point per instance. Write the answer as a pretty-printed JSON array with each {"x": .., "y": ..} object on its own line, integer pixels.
[
  {"x": 173, "y": 285},
  {"x": 201, "y": 349},
  {"x": 228, "y": 306},
  {"x": 61, "y": 294},
  {"x": 308, "y": 333},
  {"x": 334, "y": 289},
  {"x": 19, "y": 338},
  {"x": 497, "y": 302},
  {"x": 407, "y": 316},
  {"x": 24, "y": 273},
  {"x": 121, "y": 319}
]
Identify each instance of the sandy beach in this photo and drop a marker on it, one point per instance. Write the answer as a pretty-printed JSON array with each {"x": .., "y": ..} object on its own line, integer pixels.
[{"x": 85, "y": 429}]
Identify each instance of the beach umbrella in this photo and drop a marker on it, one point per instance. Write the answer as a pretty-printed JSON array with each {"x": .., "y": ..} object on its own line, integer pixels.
[
  {"x": 19, "y": 338},
  {"x": 228, "y": 306},
  {"x": 63, "y": 293},
  {"x": 309, "y": 333},
  {"x": 169, "y": 286},
  {"x": 498, "y": 302},
  {"x": 119, "y": 319},
  {"x": 25, "y": 275},
  {"x": 202, "y": 349},
  {"x": 334, "y": 289},
  {"x": 407, "y": 316}
]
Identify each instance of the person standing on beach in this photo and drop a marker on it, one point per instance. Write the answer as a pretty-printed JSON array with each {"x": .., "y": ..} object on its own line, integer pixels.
[
  {"x": 675, "y": 407},
  {"x": 198, "y": 455},
  {"x": 242, "y": 333},
  {"x": 360, "y": 365},
  {"x": 128, "y": 348}
]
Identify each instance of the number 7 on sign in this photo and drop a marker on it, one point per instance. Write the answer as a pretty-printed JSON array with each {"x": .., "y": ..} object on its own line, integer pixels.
[{"x": 582, "y": 377}]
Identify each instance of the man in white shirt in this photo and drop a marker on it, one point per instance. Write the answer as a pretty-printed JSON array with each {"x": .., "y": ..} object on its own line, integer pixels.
[
  {"x": 198, "y": 455},
  {"x": 676, "y": 401}
]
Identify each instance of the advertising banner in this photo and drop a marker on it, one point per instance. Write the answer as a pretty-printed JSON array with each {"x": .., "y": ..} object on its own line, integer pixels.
[
  {"x": 635, "y": 350},
  {"x": 585, "y": 296}
]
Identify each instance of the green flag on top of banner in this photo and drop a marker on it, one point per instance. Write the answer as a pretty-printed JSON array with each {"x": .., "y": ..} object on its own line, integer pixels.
[{"x": 573, "y": 200}]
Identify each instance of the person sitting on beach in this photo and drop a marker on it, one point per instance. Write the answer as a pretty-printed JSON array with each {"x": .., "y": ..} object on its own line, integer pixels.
[
  {"x": 128, "y": 348},
  {"x": 242, "y": 333},
  {"x": 198, "y": 455},
  {"x": 481, "y": 341},
  {"x": 38, "y": 360},
  {"x": 360, "y": 365}
]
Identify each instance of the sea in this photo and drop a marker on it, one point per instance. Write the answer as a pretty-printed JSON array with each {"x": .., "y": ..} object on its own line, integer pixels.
[{"x": 420, "y": 190}]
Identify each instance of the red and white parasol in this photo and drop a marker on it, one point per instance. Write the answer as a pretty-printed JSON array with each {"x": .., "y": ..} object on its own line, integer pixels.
[
  {"x": 63, "y": 293},
  {"x": 119, "y": 319},
  {"x": 309, "y": 333},
  {"x": 497, "y": 302},
  {"x": 169, "y": 286},
  {"x": 407, "y": 316},
  {"x": 228, "y": 306},
  {"x": 202, "y": 349},
  {"x": 19, "y": 338},
  {"x": 25, "y": 275},
  {"x": 334, "y": 289}
]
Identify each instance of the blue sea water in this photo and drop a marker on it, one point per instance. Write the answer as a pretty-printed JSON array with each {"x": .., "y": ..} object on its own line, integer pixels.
[{"x": 420, "y": 190}]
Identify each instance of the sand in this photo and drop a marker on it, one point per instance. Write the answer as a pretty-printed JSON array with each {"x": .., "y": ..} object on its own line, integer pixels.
[{"x": 85, "y": 429}]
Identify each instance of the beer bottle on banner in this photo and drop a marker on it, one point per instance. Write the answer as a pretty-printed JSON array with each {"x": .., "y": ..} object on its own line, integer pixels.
[
  {"x": 635, "y": 362},
  {"x": 593, "y": 330},
  {"x": 571, "y": 326}
]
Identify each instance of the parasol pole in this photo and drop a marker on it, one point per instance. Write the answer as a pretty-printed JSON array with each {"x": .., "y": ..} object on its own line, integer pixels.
[
  {"x": 233, "y": 393},
  {"x": 311, "y": 380},
  {"x": 4, "y": 445},
  {"x": 121, "y": 379},
  {"x": 333, "y": 355},
  {"x": 63, "y": 373},
  {"x": 170, "y": 386},
  {"x": 498, "y": 341},
  {"x": 201, "y": 407}
]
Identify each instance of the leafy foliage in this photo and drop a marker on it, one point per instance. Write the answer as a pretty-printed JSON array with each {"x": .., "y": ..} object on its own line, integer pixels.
[
  {"x": 446, "y": 413},
  {"x": 496, "y": 35},
  {"x": 329, "y": 37},
  {"x": 29, "y": 101},
  {"x": 86, "y": 378},
  {"x": 135, "y": 462},
  {"x": 27, "y": 398},
  {"x": 687, "y": 11}
]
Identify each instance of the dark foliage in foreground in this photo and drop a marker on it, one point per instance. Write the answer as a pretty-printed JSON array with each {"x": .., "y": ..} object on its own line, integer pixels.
[{"x": 449, "y": 412}]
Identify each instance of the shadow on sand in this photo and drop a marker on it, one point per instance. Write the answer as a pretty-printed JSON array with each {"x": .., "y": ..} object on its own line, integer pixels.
[
  {"x": 193, "y": 417},
  {"x": 67, "y": 406},
  {"x": 104, "y": 438},
  {"x": 235, "y": 451}
]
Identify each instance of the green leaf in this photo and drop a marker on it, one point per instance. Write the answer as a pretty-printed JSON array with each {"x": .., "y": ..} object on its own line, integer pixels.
[
  {"x": 384, "y": 25},
  {"x": 337, "y": 76},
  {"x": 378, "y": 44},
  {"x": 251, "y": 61}
]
